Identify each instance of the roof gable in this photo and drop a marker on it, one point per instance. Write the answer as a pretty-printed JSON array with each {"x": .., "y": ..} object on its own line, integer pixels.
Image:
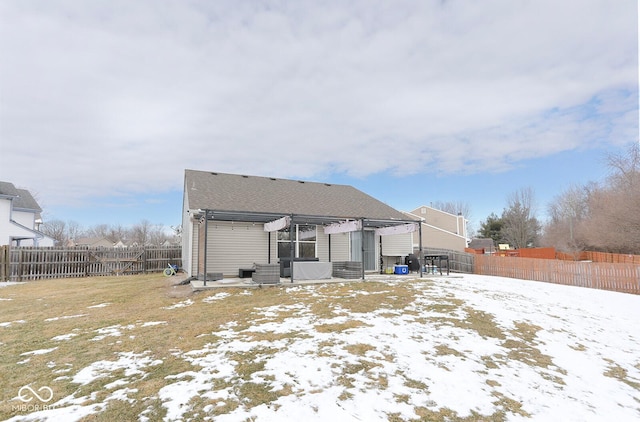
[
  {"x": 242, "y": 193},
  {"x": 22, "y": 198}
]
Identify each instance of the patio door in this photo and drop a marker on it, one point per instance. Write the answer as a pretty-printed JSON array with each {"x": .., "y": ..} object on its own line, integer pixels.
[{"x": 369, "y": 249}]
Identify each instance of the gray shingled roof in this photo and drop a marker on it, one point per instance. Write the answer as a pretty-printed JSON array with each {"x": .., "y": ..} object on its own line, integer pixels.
[
  {"x": 253, "y": 194},
  {"x": 22, "y": 197},
  {"x": 8, "y": 189}
]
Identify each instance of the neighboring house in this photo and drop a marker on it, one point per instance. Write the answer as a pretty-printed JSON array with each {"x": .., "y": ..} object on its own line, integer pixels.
[
  {"x": 482, "y": 246},
  {"x": 20, "y": 218},
  {"x": 232, "y": 221},
  {"x": 440, "y": 229},
  {"x": 92, "y": 242}
]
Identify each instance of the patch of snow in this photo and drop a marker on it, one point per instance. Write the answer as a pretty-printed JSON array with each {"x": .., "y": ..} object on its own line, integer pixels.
[
  {"x": 38, "y": 352},
  {"x": 64, "y": 337},
  {"x": 182, "y": 304},
  {"x": 65, "y": 317},
  {"x": 217, "y": 296},
  {"x": 153, "y": 323},
  {"x": 111, "y": 331},
  {"x": 7, "y": 324},
  {"x": 132, "y": 363},
  {"x": 10, "y": 283},
  {"x": 101, "y": 305}
]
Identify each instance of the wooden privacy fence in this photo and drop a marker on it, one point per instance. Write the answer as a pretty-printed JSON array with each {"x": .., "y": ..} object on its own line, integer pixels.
[
  {"x": 461, "y": 262},
  {"x": 599, "y": 257},
  {"x": 29, "y": 263},
  {"x": 597, "y": 275}
]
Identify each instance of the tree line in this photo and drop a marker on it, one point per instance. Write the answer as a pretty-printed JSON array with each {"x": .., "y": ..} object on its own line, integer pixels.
[
  {"x": 600, "y": 216},
  {"x": 142, "y": 233}
]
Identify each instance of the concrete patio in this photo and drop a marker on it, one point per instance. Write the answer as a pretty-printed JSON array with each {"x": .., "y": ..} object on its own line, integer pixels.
[{"x": 248, "y": 283}]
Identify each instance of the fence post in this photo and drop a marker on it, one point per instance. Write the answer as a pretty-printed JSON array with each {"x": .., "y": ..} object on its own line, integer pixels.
[
  {"x": 144, "y": 259},
  {"x": 4, "y": 263}
]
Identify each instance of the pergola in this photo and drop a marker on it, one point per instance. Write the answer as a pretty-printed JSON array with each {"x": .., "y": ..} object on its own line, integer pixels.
[{"x": 332, "y": 225}]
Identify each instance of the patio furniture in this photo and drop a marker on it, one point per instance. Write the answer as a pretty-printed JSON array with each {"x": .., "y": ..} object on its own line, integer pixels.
[
  {"x": 266, "y": 274},
  {"x": 246, "y": 272},
  {"x": 310, "y": 270},
  {"x": 347, "y": 269},
  {"x": 432, "y": 259},
  {"x": 285, "y": 265}
]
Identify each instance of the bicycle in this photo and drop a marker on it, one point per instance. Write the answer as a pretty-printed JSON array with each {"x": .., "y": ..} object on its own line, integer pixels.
[{"x": 170, "y": 270}]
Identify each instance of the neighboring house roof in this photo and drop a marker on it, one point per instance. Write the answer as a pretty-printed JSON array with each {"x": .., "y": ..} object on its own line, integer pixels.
[
  {"x": 481, "y": 243},
  {"x": 22, "y": 198},
  {"x": 7, "y": 189},
  {"x": 93, "y": 242},
  {"x": 21, "y": 202},
  {"x": 254, "y": 194},
  {"x": 26, "y": 201}
]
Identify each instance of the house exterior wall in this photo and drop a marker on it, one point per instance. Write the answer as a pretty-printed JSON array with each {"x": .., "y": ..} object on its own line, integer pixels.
[
  {"x": 231, "y": 246},
  {"x": 437, "y": 218},
  {"x": 193, "y": 256},
  {"x": 434, "y": 237},
  {"x": 5, "y": 215},
  {"x": 441, "y": 229},
  {"x": 340, "y": 247},
  {"x": 11, "y": 226},
  {"x": 397, "y": 244},
  {"x": 25, "y": 218},
  {"x": 187, "y": 236}
]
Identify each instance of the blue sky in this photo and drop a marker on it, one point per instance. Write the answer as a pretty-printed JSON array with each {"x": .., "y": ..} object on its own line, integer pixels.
[{"x": 104, "y": 104}]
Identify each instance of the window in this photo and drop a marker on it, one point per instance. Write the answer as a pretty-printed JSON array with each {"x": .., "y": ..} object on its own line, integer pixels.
[{"x": 304, "y": 241}]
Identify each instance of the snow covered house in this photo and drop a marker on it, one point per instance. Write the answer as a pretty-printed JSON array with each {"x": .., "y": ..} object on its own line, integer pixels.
[
  {"x": 231, "y": 222},
  {"x": 20, "y": 218}
]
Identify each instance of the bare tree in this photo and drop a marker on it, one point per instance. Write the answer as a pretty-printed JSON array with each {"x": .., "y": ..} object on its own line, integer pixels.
[
  {"x": 520, "y": 225},
  {"x": 454, "y": 207},
  {"x": 566, "y": 214},
  {"x": 614, "y": 210},
  {"x": 74, "y": 230},
  {"x": 118, "y": 233},
  {"x": 57, "y": 229},
  {"x": 99, "y": 230},
  {"x": 146, "y": 233}
]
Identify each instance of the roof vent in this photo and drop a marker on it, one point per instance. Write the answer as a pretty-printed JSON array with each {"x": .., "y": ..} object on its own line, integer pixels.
[
  {"x": 215, "y": 174},
  {"x": 246, "y": 177},
  {"x": 327, "y": 184},
  {"x": 273, "y": 178},
  {"x": 300, "y": 181}
]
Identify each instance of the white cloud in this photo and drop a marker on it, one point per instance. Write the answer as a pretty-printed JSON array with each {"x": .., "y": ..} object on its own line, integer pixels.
[{"x": 120, "y": 97}]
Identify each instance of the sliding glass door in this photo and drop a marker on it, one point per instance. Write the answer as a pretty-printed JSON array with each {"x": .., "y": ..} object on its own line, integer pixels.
[{"x": 369, "y": 249}]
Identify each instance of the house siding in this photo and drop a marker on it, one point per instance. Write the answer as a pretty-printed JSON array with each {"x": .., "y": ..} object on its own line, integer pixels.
[
  {"x": 397, "y": 245},
  {"x": 231, "y": 246},
  {"x": 189, "y": 249},
  {"x": 5, "y": 215},
  {"x": 441, "y": 229},
  {"x": 433, "y": 237},
  {"x": 195, "y": 228},
  {"x": 340, "y": 244}
]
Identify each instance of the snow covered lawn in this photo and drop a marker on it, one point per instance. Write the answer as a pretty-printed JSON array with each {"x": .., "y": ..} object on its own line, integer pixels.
[{"x": 451, "y": 348}]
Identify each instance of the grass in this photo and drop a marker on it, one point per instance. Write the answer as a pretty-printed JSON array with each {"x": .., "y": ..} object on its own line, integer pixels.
[{"x": 166, "y": 329}]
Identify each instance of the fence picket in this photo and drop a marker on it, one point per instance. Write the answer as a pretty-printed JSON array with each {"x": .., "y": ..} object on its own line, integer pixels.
[
  {"x": 621, "y": 277},
  {"x": 34, "y": 263}
]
